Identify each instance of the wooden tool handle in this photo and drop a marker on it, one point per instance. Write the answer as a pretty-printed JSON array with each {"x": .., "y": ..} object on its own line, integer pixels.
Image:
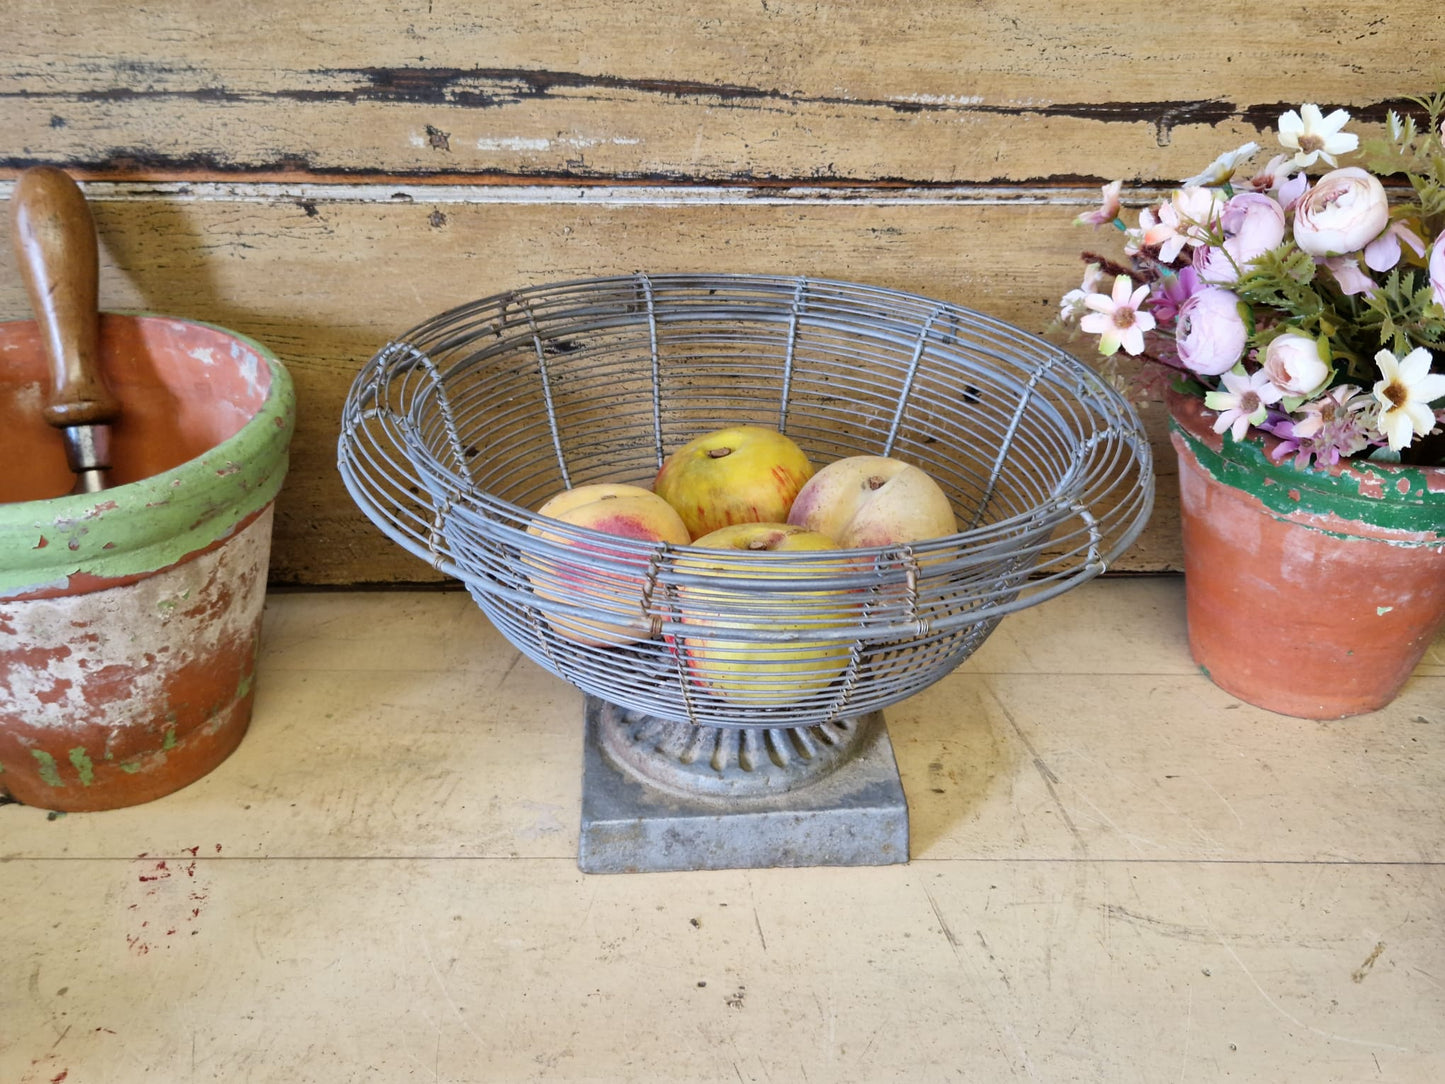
[{"x": 55, "y": 246}]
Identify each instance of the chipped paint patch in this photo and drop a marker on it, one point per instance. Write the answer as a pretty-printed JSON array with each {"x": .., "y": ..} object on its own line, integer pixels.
[
  {"x": 155, "y": 522},
  {"x": 84, "y": 767},
  {"x": 49, "y": 774},
  {"x": 60, "y": 656},
  {"x": 1403, "y": 505},
  {"x": 573, "y": 142},
  {"x": 513, "y": 143},
  {"x": 130, "y": 701}
]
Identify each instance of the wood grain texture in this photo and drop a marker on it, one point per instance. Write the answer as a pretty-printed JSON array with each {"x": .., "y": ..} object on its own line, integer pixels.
[
  {"x": 326, "y": 283},
  {"x": 1118, "y": 874},
  {"x": 670, "y": 90},
  {"x": 327, "y": 175}
]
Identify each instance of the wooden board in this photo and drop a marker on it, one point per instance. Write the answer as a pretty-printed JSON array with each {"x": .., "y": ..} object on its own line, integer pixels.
[
  {"x": 1118, "y": 873},
  {"x": 322, "y": 177},
  {"x": 326, "y": 282},
  {"x": 870, "y": 91}
]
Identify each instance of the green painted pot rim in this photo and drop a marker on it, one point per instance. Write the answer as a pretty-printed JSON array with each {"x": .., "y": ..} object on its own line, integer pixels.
[
  {"x": 1385, "y": 496},
  {"x": 143, "y": 527}
]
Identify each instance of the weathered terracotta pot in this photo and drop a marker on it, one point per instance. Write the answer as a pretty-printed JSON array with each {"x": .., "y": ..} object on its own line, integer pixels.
[
  {"x": 1309, "y": 593},
  {"x": 129, "y": 618}
]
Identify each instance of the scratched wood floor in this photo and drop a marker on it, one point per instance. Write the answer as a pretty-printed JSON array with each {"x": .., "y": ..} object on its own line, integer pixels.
[{"x": 1119, "y": 873}]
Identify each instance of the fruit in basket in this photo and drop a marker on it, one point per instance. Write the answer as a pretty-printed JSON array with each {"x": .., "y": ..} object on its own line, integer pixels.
[
  {"x": 741, "y": 474},
  {"x": 740, "y": 593},
  {"x": 603, "y": 577},
  {"x": 870, "y": 500}
]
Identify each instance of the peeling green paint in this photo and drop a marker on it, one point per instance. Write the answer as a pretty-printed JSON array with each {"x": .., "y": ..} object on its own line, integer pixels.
[
  {"x": 49, "y": 774},
  {"x": 243, "y": 690},
  {"x": 1384, "y": 495},
  {"x": 155, "y": 522},
  {"x": 169, "y": 741},
  {"x": 130, "y": 767},
  {"x": 83, "y": 765},
  {"x": 1381, "y": 611}
]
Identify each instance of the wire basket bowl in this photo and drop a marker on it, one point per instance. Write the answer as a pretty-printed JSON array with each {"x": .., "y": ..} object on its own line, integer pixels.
[{"x": 456, "y": 432}]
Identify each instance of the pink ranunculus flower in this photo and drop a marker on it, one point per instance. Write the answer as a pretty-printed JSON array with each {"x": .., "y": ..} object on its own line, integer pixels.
[
  {"x": 1210, "y": 333},
  {"x": 1252, "y": 224},
  {"x": 1296, "y": 364},
  {"x": 1437, "y": 270},
  {"x": 1343, "y": 212}
]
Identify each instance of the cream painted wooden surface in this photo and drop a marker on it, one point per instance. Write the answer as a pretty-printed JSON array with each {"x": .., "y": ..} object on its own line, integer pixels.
[
  {"x": 864, "y": 90},
  {"x": 323, "y": 176},
  {"x": 1119, "y": 873},
  {"x": 325, "y": 281}
]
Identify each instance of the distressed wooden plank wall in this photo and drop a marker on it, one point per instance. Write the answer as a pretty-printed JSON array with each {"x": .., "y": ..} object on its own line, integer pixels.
[{"x": 321, "y": 176}]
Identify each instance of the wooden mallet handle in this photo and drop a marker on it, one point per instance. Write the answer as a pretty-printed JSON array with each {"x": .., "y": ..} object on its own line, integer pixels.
[{"x": 55, "y": 246}]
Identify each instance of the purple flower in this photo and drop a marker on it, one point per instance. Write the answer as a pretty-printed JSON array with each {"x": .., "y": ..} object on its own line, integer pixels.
[
  {"x": 1171, "y": 291},
  {"x": 1333, "y": 427},
  {"x": 1211, "y": 332},
  {"x": 1383, "y": 252},
  {"x": 1349, "y": 276}
]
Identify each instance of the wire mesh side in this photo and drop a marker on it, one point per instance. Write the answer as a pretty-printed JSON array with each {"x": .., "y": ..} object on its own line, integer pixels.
[{"x": 454, "y": 434}]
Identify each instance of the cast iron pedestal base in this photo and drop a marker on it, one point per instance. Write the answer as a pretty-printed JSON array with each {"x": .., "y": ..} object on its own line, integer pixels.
[{"x": 854, "y": 814}]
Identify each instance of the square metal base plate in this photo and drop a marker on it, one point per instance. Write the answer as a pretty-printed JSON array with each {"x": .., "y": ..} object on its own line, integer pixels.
[{"x": 855, "y": 816}]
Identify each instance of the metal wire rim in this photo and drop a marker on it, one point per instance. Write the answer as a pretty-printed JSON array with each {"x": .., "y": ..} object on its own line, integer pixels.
[{"x": 455, "y": 432}]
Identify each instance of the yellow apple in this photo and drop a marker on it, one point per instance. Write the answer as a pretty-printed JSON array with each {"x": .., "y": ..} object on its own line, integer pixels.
[
  {"x": 742, "y": 474},
  {"x": 612, "y": 579},
  {"x": 731, "y": 595},
  {"x": 870, "y": 500}
]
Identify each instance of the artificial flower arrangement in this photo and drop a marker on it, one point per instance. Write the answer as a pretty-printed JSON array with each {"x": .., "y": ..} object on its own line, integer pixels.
[{"x": 1312, "y": 310}]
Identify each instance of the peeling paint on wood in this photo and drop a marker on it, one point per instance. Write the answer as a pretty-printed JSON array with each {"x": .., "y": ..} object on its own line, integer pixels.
[
  {"x": 327, "y": 184},
  {"x": 313, "y": 288},
  {"x": 853, "y": 92}
]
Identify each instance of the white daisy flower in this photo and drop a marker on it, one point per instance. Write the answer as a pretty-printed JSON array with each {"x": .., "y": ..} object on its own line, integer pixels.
[
  {"x": 1405, "y": 395},
  {"x": 1312, "y": 135}
]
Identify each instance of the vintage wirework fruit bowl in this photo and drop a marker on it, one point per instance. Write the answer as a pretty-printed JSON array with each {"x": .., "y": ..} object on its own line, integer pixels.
[{"x": 456, "y": 431}]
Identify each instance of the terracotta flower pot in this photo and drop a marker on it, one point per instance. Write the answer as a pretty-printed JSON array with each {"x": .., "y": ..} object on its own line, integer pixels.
[
  {"x": 1310, "y": 593},
  {"x": 129, "y": 618}
]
